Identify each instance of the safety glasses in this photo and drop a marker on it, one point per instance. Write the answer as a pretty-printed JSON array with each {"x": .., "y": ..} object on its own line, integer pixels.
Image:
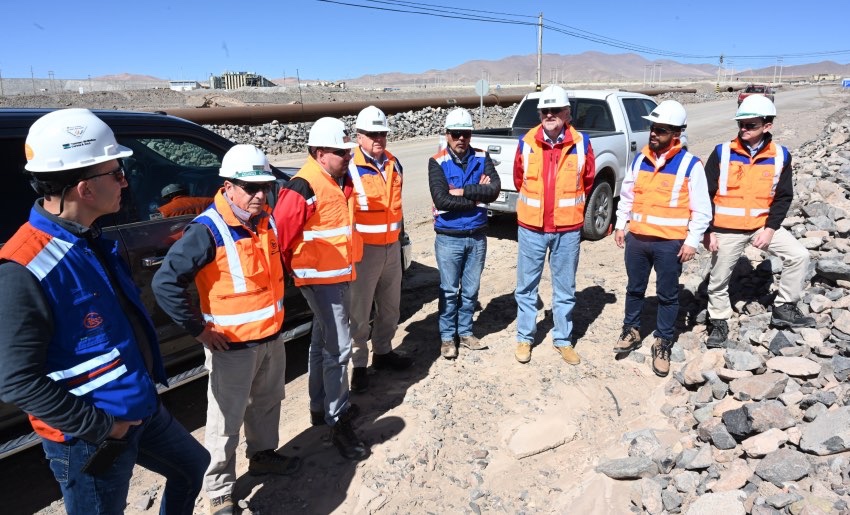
[
  {"x": 460, "y": 134},
  {"x": 374, "y": 135},
  {"x": 252, "y": 188},
  {"x": 118, "y": 173},
  {"x": 341, "y": 152},
  {"x": 661, "y": 131},
  {"x": 551, "y": 110},
  {"x": 750, "y": 126}
]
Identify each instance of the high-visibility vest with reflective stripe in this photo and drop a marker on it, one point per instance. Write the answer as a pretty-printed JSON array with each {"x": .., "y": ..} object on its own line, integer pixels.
[
  {"x": 377, "y": 207},
  {"x": 329, "y": 245},
  {"x": 241, "y": 290},
  {"x": 93, "y": 352},
  {"x": 747, "y": 185},
  {"x": 661, "y": 205},
  {"x": 569, "y": 189}
]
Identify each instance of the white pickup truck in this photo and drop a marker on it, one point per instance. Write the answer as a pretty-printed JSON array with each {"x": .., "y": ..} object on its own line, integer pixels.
[{"x": 612, "y": 120}]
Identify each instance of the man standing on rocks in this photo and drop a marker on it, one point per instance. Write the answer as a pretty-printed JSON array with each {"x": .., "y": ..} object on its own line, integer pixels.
[
  {"x": 231, "y": 254},
  {"x": 664, "y": 200},
  {"x": 462, "y": 180},
  {"x": 751, "y": 187},
  {"x": 315, "y": 222},
  {"x": 377, "y": 178},
  {"x": 554, "y": 169}
]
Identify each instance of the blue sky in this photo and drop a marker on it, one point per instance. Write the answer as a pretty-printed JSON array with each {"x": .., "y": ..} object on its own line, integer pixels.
[{"x": 189, "y": 39}]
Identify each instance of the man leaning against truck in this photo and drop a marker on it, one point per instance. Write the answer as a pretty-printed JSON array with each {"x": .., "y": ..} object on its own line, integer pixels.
[
  {"x": 78, "y": 351},
  {"x": 377, "y": 178},
  {"x": 553, "y": 173},
  {"x": 231, "y": 254}
]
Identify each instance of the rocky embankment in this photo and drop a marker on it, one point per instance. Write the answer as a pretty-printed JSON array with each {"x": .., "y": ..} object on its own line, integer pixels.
[{"x": 765, "y": 421}]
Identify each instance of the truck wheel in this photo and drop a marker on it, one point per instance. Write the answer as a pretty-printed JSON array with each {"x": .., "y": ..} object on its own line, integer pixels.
[{"x": 598, "y": 212}]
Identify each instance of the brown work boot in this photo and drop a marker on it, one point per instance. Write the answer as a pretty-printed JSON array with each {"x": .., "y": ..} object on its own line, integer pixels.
[
  {"x": 629, "y": 340},
  {"x": 523, "y": 352},
  {"x": 472, "y": 343},
  {"x": 661, "y": 356},
  {"x": 569, "y": 354},
  {"x": 448, "y": 349}
]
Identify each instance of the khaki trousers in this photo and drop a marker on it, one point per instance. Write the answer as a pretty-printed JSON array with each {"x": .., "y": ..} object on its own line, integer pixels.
[
  {"x": 795, "y": 262},
  {"x": 379, "y": 281},
  {"x": 245, "y": 386}
]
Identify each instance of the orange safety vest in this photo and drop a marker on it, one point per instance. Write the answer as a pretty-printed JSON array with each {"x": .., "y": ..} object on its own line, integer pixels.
[
  {"x": 377, "y": 210},
  {"x": 328, "y": 247},
  {"x": 185, "y": 205},
  {"x": 241, "y": 290},
  {"x": 569, "y": 191},
  {"x": 661, "y": 205},
  {"x": 747, "y": 185}
]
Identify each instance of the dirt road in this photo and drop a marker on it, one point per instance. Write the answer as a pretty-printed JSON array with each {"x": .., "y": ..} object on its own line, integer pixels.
[{"x": 484, "y": 433}]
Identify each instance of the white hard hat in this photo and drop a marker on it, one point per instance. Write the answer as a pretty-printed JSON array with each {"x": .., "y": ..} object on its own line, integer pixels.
[
  {"x": 755, "y": 106},
  {"x": 459, "y": 119},
  {"x": 553, "y": 96},
  {"x": 329, "y": 132},
  {"x": 668, "y": 112},
  {"x": 70, "y": 138},
  {"x": 372, "y": 119},
  {"x": 246, "y": 163}
]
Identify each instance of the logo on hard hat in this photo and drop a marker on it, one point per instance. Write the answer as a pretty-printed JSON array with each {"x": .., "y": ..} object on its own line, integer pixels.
[
  {"x": 28, "y": 151},
  {"x": 76, "y": 131}
]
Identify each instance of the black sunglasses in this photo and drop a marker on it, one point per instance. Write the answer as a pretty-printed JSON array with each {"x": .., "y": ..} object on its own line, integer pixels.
[
  {"x": 341, "y": 152},
  {"x": 460, "y": 134},
  {"x": 661, "y": 131},
  {"x": 252, "y": 188},
  {"x": 374, "y": 135},
  {"x": 551, "y": 110},
  {"x": 118, "y": 173},
  {"x": 749, "y": 126}
]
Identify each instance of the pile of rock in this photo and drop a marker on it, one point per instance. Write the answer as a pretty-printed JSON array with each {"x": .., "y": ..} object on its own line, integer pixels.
[
  {"x": 765, "y": 420},
  {"x": 284, "y": 138}
]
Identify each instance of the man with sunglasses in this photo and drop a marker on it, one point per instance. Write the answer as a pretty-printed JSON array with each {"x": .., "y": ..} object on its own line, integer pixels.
[
  {"x": 751, "y": 186},
  {"x": 320, "y": 246},
  {"x": 664, "y": 201},
  {"x": 553, "y": 172},
  {"x": 230, "y": 252},
  {"x": 79, "y": 351},
  {"x": 377, "y": 178},
  {"x": 462, "y": 180}
]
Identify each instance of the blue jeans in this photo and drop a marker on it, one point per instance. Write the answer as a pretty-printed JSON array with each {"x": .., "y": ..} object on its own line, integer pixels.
[
  {"x": 563, "y": 248},
  {"x": 460, "y": 260},
  {"x": 330, "y": 349},
  {"x": 160, "y": 444},
  {"x": 642, "y": 254}
]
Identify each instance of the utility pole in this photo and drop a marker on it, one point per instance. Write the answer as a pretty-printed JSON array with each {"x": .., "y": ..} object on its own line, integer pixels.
[
  {"x": 539, "y": 50},
  {"x": 780, "y": 71},
  {"x": 774, "y": 70},
  {"x": 51, "y": 77},
  {"x": 32, "y": 77},
  {"x": 1, "y": 83},
  {"x": 658, "y": 73}
]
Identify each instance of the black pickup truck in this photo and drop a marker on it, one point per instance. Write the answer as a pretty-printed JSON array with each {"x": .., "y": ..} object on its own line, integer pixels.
[{"x": 166, "y": 151}]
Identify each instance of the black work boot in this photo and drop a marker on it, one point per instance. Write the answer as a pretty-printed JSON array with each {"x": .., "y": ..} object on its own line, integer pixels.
[
  {"x": 789, "y": 315},
  {"x": 391, "y": 361},
  {"x": 349, "y": 445},
  {"x": 359, "y": 380},
  {"x": 718, "y": 334}
]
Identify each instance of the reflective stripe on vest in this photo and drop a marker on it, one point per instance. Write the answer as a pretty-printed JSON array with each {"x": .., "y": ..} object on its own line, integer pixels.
[
  {"x": 247, "y": 317},
  {"x": 90, "y": 367},
  {"x": 379, "y": 228}
]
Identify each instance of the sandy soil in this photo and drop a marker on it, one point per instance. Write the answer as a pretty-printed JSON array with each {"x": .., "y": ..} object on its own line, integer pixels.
[{"x": 482, "y": 433}]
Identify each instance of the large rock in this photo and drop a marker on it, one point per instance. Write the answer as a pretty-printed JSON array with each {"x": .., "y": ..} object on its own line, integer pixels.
[
  {"x": 841, "y": 367},
  {"x": 633, "y": 467},
  {"x": 833, "y": 269},
  {"x": 768, "y": 414},
  {"x": 827, "y": 434},
  {"x": 764, "y": 443},
  {"x": 743, "y": 360},
  {"x": 727, "y": 503},
  {"x": 737, "y": 423},
  {"x": 735, "y": 476},
  {"x": 794, "y": 367},
  {"x": 783, "y": 465},
  {"x": 692, "y": 372},
  {"x": 765, "y": 386}
]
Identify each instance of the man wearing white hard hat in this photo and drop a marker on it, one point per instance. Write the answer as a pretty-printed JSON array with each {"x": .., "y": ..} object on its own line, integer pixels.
[
  {"x": 79, "y": 351},
  {"x": 751, "y": 187},
  {"x": 462, "y": 180},
  {"x": 230, "y": 252},
  {"x": 554, "y": 169},
  {"x": 377, "y": 178},
  {"x": 320, "y": 246},
  {"x": 664, "y": 202}
]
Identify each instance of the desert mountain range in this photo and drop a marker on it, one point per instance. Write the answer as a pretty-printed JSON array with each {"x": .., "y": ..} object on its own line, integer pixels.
[{"x": 587, "y": 66}]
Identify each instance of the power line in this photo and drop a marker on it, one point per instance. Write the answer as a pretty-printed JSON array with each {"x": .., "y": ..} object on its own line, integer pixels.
[
  {"x": 437, "y": 15},
  {"x": 417, "y": 5}
]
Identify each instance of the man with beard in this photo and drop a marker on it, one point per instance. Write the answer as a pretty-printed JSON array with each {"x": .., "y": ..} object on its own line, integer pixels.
[{"x": 664, "y": 199}]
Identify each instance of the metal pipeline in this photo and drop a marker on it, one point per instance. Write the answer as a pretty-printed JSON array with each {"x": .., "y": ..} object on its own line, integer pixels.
[{"x": 292, "y": 113}]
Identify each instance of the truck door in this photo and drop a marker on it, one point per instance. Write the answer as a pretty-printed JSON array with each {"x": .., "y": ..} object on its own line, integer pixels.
[{"x": 638, "y": 127}]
